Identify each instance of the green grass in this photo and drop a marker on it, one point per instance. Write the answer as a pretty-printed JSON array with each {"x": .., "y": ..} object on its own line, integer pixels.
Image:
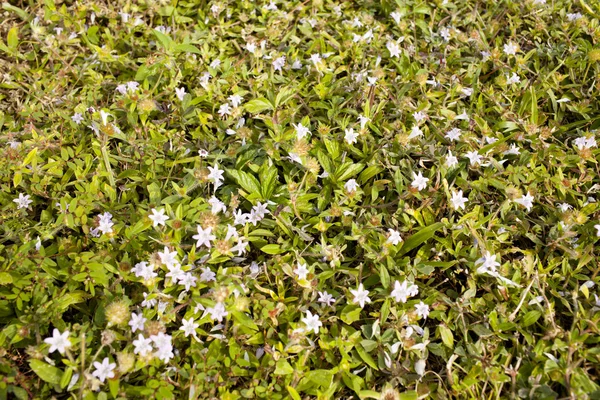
[{"x": 403, "y": 207}]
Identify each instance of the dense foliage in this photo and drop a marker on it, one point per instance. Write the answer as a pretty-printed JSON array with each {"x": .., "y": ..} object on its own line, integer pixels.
[{"x": 319, "y": 199}]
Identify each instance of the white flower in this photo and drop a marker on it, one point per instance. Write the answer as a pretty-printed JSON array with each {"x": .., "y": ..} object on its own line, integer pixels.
[
  {"x": 326, "y": 298},
  {"x": 597, "y": 226},
  {"x": 419, "y": 116},
  {"x": 394, "y": 237},
  {"x": 251, "y": 47},
  {"x": 301, "y": 131},
  {"x": 279, "y": 63},
  {"x": 488, "y": 263},
  {"x": 188, "y": 280},
  {"x": 124, "y": 17},
  {"x": 419, "y": 182},
  {"x": 188, "y": 327},
  {"x": 137, "y": 322},
  {"x": 297, "y": 64},
  {"x": 584, "y": 142},
  {"x": 217, "y": 312},
  {"x": 510, "y": 49},
  {"x": 315, "y": 58},
  {"x": 361, "y": 296},
  {"x": 463, "y": 116},
  {"x": 207, "y": 275},
  {"x": 235, "y": 100},
  {"x": 58, "y": 341},
  {"x": 23, "y": 201},
  {"x": 351, "y": 186},
  {"x": 402, "y": 291},
  {"x": 420, "y": 367},
  {"x": 104, "y": 370},
  {"x": 574, "y": 16},
  {"x": 158, "y": 217},
  {"x": 526, "y": 201},
  {"x": 350, "y": 136},
  {"x": 132, "y": 86},
  {"x": 415, "y": 132},
  {"x": 217, "y": 205},
  {"x": 167, "y": 257},
  {"x": 514, "y": 78},
  {"x": 77, "y": 118},
  {"x": 394, "y": 49},
  {"x": 215, "y": 63},
  {"x": 240, "y": 247},
  {"x": 422, "y": 309},
  {"x": 445, "y": 34},
  {"x": 451, "y": 160},
  {"x": 396, "y": 16},
  {"x": 485, "y": 55},
  {"x": 301, "y": 271},
  {"x": 180, "y": 92},
  {"x": 467, "y": 92},
  {"x": 458, "y": 201},
  {"x": 142, "y": 346},
  {"x": 144, "y": 271},
  {"x": 474, "y": 157},
  {"x": 148, "y": 303},
  {"x": 203, "y": 153},
  {"x": 225, "y": 109},
  {"x": 204, "y": 237},
  {"x": 216, "y": 175},
  {"x": 312, "y": 322},
  {"x": 164, "y": 346},
  {"x": 363, "y": 121},
  {"x": 453, "y": 134}
]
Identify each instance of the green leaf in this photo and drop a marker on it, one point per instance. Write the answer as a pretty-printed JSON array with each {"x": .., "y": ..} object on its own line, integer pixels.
[
  {"x": 30, "y": 156},
  {"x": 247, "y": 181},
  {"x": 419, "y": 238},
  {"x": 446, "y": 334},
  {"x": 22, "y": 14},
  {"x": 244, "y": 320},
  {"x": 164, "y": 40},
  {"x": 258, "y": 105},
  {"x": 531, "y": 317},
  {"x": 5, "y": 278},
  {"x": 13, "y": 38},
  {"x": 283, "y": 367},
  {"x": 409, "y": 395},
  {"x": 366, "y": 357},
  {"x": 272, "y": 249},
  {"x": 348, "y": 170},
  {"x": 284, "y": 96},
  {"x": 186, "y": 48},
  {"x": 350, "y": 313},
  {"x": 46, "y": 372},
  {"x": 293, "y": 393}
]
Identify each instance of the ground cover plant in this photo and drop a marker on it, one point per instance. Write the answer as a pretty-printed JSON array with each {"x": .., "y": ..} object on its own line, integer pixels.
[{"x": 293, "y": 200}]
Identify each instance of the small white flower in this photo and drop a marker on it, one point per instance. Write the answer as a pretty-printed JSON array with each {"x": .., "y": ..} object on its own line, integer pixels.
[
  {"x": 279, "y": 63},
  {"x": 453, "y": 134},
  {"x": 422, "y": 310},
  {"x": 514, "y": 78},
  {"x": 474, "y": 157},
  {"x": 142, "y": 346},
  {"x": 301, "y": 271},
  {"x": 394, "y": 237},
  {"x": 218, "y": 312},
  {"x": 326, "y": 298},
  {"x": 415, "y": 132},
  {"x": 225, "y": 109},
  {"x": 458, "y": 201},
  {"x": 312, "y": 322},
  {"x": 188, "y": 326},
  {"x": 445, "y": 34},
  {"x": 104, "y": 370},
  {"x": 351, "y": 186},
  {"x": 180, "y": 92},
  {"x": 204, "y": 237},
  {"x": 301, "y": 131},
  {"x": 23, "y": 201},
  {"x": 394, "y": 49},
  {"x": 451, "y": 160},
  {"x": 361, "y": 296},
  {"x": 350, "y": 136},
  {"x": 58, "y": 341},
  {"x": 526, "y": 201},
  {"x": 158, "y": 217},
  {"x": 235, "y": 100},
  {"x": 402, "y": 291},
  {"x": 419, "y": 182},
  {"x": 510, "y": 49},
  {"x": 77, "y": 118},
  {"x": 137, "y": 322}
]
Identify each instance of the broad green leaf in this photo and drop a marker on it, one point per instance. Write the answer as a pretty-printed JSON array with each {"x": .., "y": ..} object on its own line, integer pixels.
[
  {"x": 282, "y": 367},
  {"x": 258, "y": 105},
  {"x": 419, "y": 238},
  {"x": 46, "y": 372}
]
